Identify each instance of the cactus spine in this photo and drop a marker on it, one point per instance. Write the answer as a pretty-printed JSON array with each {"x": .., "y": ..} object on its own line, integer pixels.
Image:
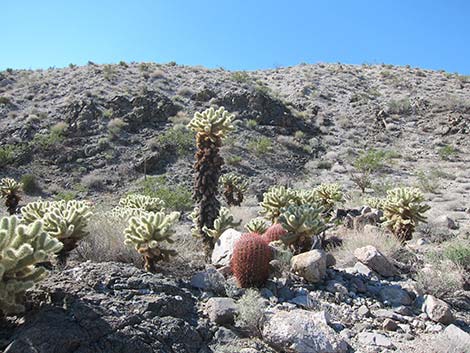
[
  {"x": 10, "y": 190},
  {"x": 147, "y": 232},
  {"x": 250, "y": 260},
  {"x": 210, "y": 126},
  {"x": 21, "y": 247}
]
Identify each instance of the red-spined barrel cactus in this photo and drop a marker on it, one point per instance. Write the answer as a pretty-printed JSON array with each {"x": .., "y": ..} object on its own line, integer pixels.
[
  {"x": 250, "y": 260},
  {"x": 274, "y": 233}
]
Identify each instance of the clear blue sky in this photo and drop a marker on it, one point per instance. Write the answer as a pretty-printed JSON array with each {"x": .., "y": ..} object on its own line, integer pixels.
[{"x": 236, "y": 34}]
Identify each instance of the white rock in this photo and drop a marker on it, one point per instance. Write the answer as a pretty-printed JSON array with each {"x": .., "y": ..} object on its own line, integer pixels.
[
  {"x": 375, "y": 260},
  {"x": 310, "y": 265},
  {"x": 301, "y": 331},
  {"x": 223, "y": 249},
  {"x": 374, "y": 339}
]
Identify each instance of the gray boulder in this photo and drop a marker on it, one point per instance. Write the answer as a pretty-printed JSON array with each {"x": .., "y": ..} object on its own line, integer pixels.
[
  {"x": 437, "y": 310},
  {"x": 395, "y": 295},
  {"x": 375, "y": 260},
  {"x": 310, "y": 265},
  {"x": 221, "y": 310}
]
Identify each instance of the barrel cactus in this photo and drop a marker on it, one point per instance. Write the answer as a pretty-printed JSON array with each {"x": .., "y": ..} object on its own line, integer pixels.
[
  {"x": 303, "y": 224},
  {"x": 403, "y": 210},
  {"x": 21, "y": 248},
  {"x": 234, "y": 187},
  {"x": 257, "y": 225},
  {"x": 211, "y": 126},
  {"x": 250, "y": 260},
  {"x": 142, "y": 202},
  {"x": 275, "y": 199},
  {"x": 147, "y": 233},
  {"x": 10, "y": 190},
  {"x": 274, "y": 233},
  {"x": 221, "y": 224}
]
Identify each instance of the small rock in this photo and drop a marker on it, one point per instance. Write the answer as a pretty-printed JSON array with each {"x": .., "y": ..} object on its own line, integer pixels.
[
  {"x": 363, "y": 311},
  {"x": 375, "y": 260},
  {"x": 223, "y": 249},
  {"x": 457, "y": 335},
  {"x": 362, "y": 269},
  {"x": 403, "y": 310},
  {"x": 446, "y": 222},
  {"x": 389, "y": 325},
  {"x": 310, "y": 265},
  {"x": 209, "y": 280},
  {"x": 330, "y": 260},
  {"x": 395, "y": 296},
  {"x": 387, "y": 314},
  {"x": 336, "y": 287},
  {"x": 358, "y": 285},
  {"x": 375, "y": 339},
  {"x": 437, "y": 310},
  {"x": 224, "y": 336},
  {"x": 221, "y": 310}
]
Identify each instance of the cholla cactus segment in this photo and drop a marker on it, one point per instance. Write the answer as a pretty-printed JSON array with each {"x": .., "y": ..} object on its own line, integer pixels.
[
  {"x": 257, "y": 225},
  {"x": 124, "y": 213},
  {"x": 375, "y": 202},
  {"x": 147, "y": 232},
  {"x": 302, "y": 224},
  {"x": 306, "y": 197},
  {"x": 142, "y": 202},
  {"x": 403, "y": 210},
  {"x": 9, "y": 186},
  {"x": 213, "y": 124},
  {"x": 275, "y": 199},
  {"x": 221, "y": 224},
  {"x": 34, "y": 211},
  {"x": 21, "y": 247},
  {"x": 328, "y": 195}
]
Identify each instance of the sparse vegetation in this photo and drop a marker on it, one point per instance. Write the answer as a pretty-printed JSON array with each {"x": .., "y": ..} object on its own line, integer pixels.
[
  {"x": 260, "y": 146},
  {"x": 175, "y": 197},
  {"x": 447, "y": 152}
]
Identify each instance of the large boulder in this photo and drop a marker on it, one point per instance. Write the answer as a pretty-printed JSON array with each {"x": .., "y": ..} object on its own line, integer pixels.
[
  {"x": 395, "y": 295},
  {"x": 437, "y": 310},
  {"x": 310, "y": 265},
  {"x": 108, "y": 307},
  {"x": 223, "y": 249},
  {"x": 375, "y": 260},
  {"x": 301, "y": 331},
  {"x": 457, "y": 336},
  {"x": 221, "y": 310}
]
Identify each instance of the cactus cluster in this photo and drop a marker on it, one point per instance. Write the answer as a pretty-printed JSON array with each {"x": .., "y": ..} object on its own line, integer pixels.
[
  {"x": 211, "y": 126},
  {"x": 257, "y": 225},
  {"x": 403, "y": 210},
  {"x": 147, "y": 233},
  {"x": 275, "y": 199},
  {"x": 9, "y": 190},
  {"x": 250, "y": 260},
  {"x": 21, "y": 247},
  {"x": 328, "y": 195},
  {"x": 142, "y": 202},
  {"x": 221, "y": 224},
  {"x": 63, "y": 220},
  {"x": 234, "y": 188},
  {"x": 303, "y": 225}
]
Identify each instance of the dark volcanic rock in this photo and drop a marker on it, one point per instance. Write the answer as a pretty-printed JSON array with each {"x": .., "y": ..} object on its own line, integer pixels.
[{"x": 108, "y": 307}]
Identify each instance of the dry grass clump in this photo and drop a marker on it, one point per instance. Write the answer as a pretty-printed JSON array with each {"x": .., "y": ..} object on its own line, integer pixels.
[
  {"x": 442, "y": 279},
  {"x": 250, "y": 312},
  {"x": 386, "y": 243}
]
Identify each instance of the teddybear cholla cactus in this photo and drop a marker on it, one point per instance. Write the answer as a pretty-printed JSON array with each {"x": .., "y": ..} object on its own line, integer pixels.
[
  {"x": 403, "y": 210},
  {"x": 257, "y": 225},
  {"x": 328, "y": 195},
  {"x": 234, "y": 188},
  {"x": 210, "y": 126},
  {"x": 147, "y": 232},
  {"x": 142, "y": 202},
  {"x": 21, "y": 247},
  {"x": 250, "y": 260},
  {"x": 275, "y": 199},
  {"x": 10, "y": 190},
  {"x": 303, "y": 224},
  {"x": 64, "y": 220},
  {"x": 221, "y": 224}
]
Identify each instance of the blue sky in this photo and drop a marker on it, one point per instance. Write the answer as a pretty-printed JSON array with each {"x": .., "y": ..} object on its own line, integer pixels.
[{"x": 236, "y": 34}]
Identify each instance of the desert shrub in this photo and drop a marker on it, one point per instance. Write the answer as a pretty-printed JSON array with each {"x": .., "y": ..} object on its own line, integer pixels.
[
  {"x": 181, "y": 138},
  {"x": 399, "y": 106},
  {"x": 428, "y": 181},
  {"x": 324, "y": 165},
  {"x": 442, "y": 279},
  {"x": 459, "y": 253},
  {"x": 65, "y": 195},
  {"x": 30, "y": 184},
  {"x": 175, "y": 197},
  {"x": 240, "y": 76},
  {"x": 260, "y": 146},
  {"x": 115, "y": 126},
  {"x": 372, "y": 160},
  {"x": 4, "y": 100},
  {"x": 233, "y": 160},
  {"x": 251, "y": 123},
  {"x": 7, "y": 155},
  {"x": 447, "y": 152},
  {"x": 250, "y": 312},
  {"x": 52, "y": 139},
  {"x": 108, "y": 72},
  {"x": 93, "y": 181}
]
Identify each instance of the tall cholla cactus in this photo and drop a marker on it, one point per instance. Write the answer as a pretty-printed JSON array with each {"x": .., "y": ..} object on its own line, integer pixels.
[
  {"x": 403, "y": 210},
  {"x": 211, "y": 126},
  {"x": 10, "y": 190},
  {"x": 235, "y": 187},
  {"x": 303, "y": 224},
  {"x": 63, "y": 220},
  {"x": 147, "y": 232},
  {"x": 275, "y": 199},
  {"x": 21, "y": 247},
  {"x": 142, "y": 202}
]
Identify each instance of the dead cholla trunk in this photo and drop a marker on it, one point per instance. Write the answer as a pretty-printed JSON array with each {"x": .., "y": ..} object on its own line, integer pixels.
[
  {"x": 11, "y": 203},
  {"x": 208, "y": 168}
]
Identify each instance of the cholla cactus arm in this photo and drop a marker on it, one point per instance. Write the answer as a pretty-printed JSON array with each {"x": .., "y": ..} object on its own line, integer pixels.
[
  {"x": 302, "y": 223},
  {"x": 212, "y": 123},
  {"x": 257, "y": 225},
  {"x": 34, "y": 211},
  {"x": 403, "y": 210},
  {"x": 275, "y": 199},
  {"x": 221, "y": 224},
  {"x": 147, "y": 232},
  {"x": 21, "y": 247},
  {"x": 375, "y": 202},
  {"x": 142, "y": 202},
  {"x": 328, "y": 195}
]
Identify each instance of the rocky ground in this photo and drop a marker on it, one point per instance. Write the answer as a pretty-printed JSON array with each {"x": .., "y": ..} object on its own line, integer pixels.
[{"x": 94, "y": 131}]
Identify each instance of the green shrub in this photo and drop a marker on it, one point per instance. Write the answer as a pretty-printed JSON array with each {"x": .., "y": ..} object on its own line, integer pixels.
[
  {"x": 181, "y": 138},
  {"x": 459, "y": 254},
  {"x": 324, "y": 165},
  {"x": 30, "y": 184},
  {"x": 447, "y": 152},
  {"x": 373, "y": 160},
  {"x": 399, "y": 106},
  {"x": 260, "y": 146},
  {"x": 4, "y": 100},
  {"x": 240, "y": 76},
  {"x": 115, "y": 126},
  {"x": 233, "y": 160},
  {"x": 65, "y": 196},
  {"x": 250, "y": 312},
  {"x": 108, "y": 72},
  {"x": 51, "y": 140},
  {"x": 7, "y": 155},
  {"x": 428, "y": 181},
  {"x": 251, "y": 123},
  {"x": 175, "y": 197}
]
